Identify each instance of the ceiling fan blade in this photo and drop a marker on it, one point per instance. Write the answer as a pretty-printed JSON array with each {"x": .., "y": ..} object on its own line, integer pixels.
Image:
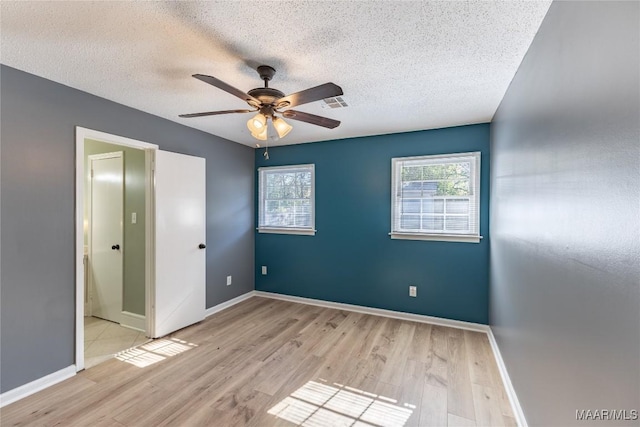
[
  {"x": 214, "y": 113},
  {"x": 227, "y": 88},
  {"x": 311, "y": 118},
  {"x": 317, "y": 93}
]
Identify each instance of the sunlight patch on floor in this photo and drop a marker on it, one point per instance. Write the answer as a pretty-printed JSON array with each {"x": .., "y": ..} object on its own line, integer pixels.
[
  {"x": 154, "y": 351},
  {"x": 319, "y": 404}
]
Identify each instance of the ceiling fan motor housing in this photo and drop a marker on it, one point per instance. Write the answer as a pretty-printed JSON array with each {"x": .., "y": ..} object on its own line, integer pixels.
[{"x": 266, "y": 95}]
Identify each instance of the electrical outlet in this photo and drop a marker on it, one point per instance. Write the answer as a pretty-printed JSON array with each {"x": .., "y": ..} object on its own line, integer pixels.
[
  {"x": 228, "y": 280},
  {"x": 413, "y": 291},
  {"x": 134, "y": 217},
  {"x": 264, "y": 270}
]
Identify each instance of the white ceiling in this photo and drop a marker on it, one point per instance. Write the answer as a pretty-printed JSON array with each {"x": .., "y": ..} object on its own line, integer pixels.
[{"x": 403, "y": 65}]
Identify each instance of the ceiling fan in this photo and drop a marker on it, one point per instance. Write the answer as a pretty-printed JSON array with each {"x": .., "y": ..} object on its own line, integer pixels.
[{"x": 270, "y": 103}]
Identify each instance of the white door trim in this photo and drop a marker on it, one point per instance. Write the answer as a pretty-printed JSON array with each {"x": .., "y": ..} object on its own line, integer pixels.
[{"x": 149, "y": 149}]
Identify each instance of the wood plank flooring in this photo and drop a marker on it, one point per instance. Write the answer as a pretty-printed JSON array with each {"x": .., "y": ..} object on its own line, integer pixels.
[{"x": 267, "y": 362}]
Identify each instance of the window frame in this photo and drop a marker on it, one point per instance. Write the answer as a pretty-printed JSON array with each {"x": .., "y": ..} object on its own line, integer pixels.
[
  {"x": 397, "y": 233},
  {"x": 305, "y": 231}
]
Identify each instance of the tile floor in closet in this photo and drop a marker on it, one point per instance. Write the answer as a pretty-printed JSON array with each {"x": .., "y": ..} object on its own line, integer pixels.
[{"x": 103, "y": 339}]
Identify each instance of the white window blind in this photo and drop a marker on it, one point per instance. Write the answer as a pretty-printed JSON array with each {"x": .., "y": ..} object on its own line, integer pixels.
[
  {"x": 436, "y": 197},
  {"x": 287, "y": 200}
]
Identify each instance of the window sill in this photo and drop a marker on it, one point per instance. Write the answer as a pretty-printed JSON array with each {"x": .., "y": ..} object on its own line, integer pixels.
[
  {"x": 294, "y": 231},
  {"x": 437, "y": 237}
]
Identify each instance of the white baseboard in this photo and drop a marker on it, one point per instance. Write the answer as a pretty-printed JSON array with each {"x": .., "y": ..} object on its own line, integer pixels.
[
  {"x": 35, "y": 386},
  {"x": 227, "y": 304},
  {"x": 511, "y": 392},
  {"x": 134, "y": 321},
  {"x": 379, "y": 312}
]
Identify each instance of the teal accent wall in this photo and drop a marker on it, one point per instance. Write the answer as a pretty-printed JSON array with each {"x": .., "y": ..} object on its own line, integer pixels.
[{"x": 352, "y": 259}]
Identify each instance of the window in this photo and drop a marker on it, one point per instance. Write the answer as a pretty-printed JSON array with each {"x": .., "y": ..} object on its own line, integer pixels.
[
  {"x": 287, "y": 200},
  {"x": 436, "y": 197}
]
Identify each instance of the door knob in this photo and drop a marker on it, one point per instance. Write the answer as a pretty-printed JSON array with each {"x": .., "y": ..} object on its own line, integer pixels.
[
  {"x": 115, "y": 247},
  {"x": 202, "y": 246}
]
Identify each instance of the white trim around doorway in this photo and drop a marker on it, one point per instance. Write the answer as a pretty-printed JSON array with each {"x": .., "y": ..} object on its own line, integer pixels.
[{"x": 149, "y": 149}]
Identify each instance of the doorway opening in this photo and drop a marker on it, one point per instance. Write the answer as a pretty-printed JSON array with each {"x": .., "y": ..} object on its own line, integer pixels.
[
  {"x": 172, "y": 249},
  {"x": 114, "y": 190}
]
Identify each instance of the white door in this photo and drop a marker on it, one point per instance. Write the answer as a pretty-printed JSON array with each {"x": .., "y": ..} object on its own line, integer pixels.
[
  {"x": 106, "y": 235},
  {"x": 179, "y": 294}
]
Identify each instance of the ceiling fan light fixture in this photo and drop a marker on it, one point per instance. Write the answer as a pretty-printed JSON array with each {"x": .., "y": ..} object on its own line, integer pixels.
[
  {"x": 282, "y": 127},
  {"x": 257, "y": 123},
  {"x": 260, "y": 135}
]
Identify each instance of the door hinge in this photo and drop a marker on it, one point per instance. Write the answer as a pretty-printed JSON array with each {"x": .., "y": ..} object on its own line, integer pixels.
[{"x": 91, "y": 173}]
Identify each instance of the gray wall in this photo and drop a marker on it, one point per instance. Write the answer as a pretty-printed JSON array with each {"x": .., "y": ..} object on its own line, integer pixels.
[
  {"x": 133, "y": 261},
  {"x": 565, "y": 216},
  {"x": 37, "y": 122}
]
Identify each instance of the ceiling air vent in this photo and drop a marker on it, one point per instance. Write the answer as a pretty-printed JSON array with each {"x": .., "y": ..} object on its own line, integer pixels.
[{"x": 335, "y": 102}]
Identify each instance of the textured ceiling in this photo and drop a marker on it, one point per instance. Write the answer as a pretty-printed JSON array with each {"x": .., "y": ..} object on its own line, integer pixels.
[{"x": 403, "y": 65}]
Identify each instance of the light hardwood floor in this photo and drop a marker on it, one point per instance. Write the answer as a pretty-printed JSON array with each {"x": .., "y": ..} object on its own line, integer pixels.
[{"x": 267, "y": 362}]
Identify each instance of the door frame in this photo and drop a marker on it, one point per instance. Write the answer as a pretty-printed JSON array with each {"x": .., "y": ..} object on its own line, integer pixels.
[
  {"x": 89, "y": 288},
  {"x": 150, "y": 151}
]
